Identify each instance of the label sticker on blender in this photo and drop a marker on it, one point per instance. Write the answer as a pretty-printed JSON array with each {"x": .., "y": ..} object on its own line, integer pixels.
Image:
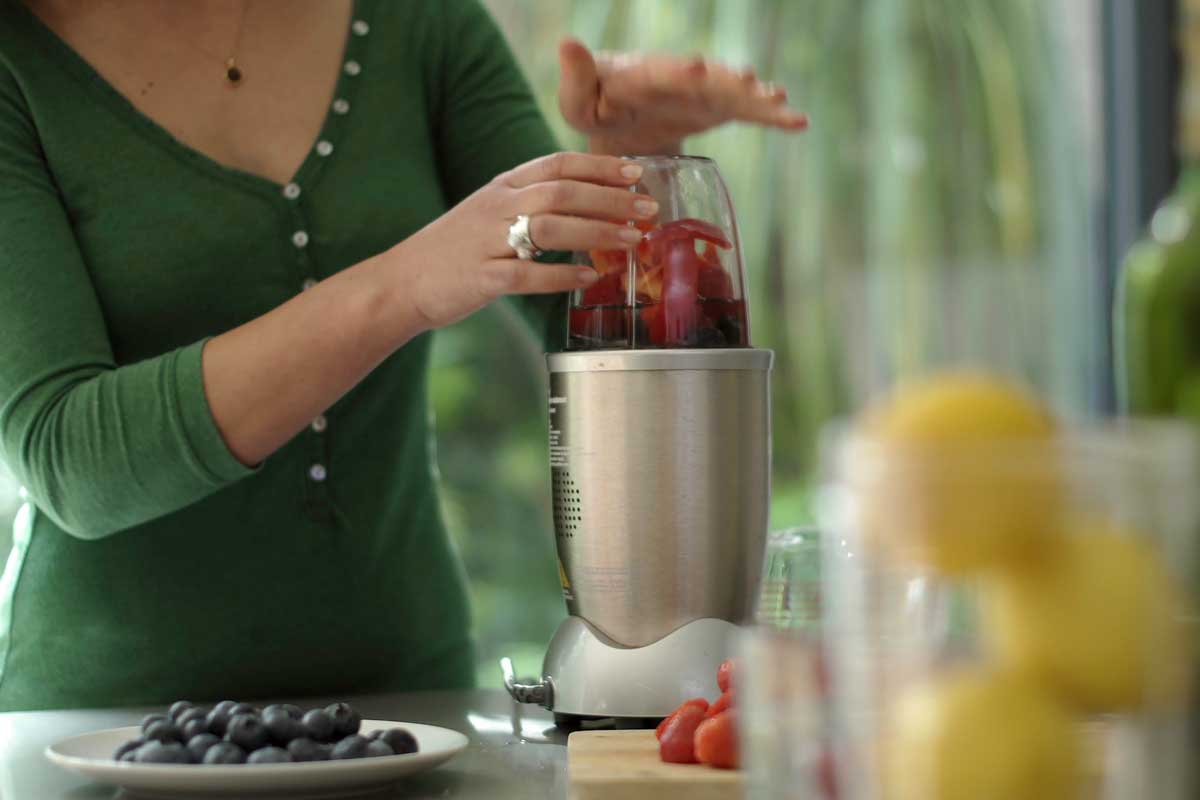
[
  {"x": 564, "y": 581},
  {"x": 558, "y": 451}
]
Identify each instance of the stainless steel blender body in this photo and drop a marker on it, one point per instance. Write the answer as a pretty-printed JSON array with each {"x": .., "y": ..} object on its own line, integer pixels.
[{"x": 660, "y": 472}]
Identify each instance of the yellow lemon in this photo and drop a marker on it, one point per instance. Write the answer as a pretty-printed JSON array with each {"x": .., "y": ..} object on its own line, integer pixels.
[
  {"x": 1103, "y": 622},
  {"x": 981, "y": 735},
  {"x": 961, "y": 474}
]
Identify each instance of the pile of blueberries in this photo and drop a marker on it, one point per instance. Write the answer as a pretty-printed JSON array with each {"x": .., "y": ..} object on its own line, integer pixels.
[{"x": 237, "y": 733}]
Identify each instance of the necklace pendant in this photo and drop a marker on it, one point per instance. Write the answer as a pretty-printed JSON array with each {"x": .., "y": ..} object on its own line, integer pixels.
[{"x": 233, "y": 73}]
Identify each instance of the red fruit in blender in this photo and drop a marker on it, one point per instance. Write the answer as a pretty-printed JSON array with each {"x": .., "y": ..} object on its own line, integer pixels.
[
  {"x": 695, "y": 702},
  {"x": 680, "y": 295},
  {"x": 716, "y": 741},
  {"x": 725, "y": 675},
  {"x": 605, "y": 292},
  {"x": 676, "y": 746}
]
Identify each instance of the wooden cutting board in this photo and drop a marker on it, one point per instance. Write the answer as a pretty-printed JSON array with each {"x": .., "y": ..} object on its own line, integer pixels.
[{"x": 620, "y": 765}]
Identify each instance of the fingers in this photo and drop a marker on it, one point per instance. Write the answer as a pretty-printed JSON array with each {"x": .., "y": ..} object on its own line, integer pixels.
[
  {"x": 579, "y": 85},
  {"x": 584, "y": 200},
  {"x": 608, "y": 170},
  {"x": 558, "y": 232},
  {"x": 503, "y": 276}
]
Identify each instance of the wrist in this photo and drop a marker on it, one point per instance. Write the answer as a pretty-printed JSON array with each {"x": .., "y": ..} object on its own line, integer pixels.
[
  {"x": 600, "y": 144},
  {"x": 388, "y": 300}
]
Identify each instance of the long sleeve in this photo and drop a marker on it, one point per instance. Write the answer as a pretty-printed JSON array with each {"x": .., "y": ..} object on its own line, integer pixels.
[
  {"x": 488, "y": 122},
  {"x": 99, "y": 447}
]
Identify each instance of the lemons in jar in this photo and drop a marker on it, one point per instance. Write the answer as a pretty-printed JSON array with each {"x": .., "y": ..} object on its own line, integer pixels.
[
  {"x": 961, "y": 474},
  {"x": 1103, "y": 623},
  {"x": 981, "y": 735}
]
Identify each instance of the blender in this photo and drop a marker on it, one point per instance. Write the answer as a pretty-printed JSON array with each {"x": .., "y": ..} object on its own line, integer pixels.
[{"x": 660, "y": 431}]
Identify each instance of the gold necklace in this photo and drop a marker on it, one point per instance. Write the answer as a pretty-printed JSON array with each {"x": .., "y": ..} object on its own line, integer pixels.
[{"x": 233, "y": 71}]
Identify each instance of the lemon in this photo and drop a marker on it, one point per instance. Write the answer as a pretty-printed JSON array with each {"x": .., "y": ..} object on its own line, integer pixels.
[
  {"x": 981, "y": 735},
  {"x": 965, "y": 475},
  {"x": 1103, "y": 623}
]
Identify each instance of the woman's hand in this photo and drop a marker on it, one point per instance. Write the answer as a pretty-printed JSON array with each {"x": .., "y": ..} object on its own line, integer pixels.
[
  {"x": 462, "y": 261},
  {"x": 632, "y": 104}
]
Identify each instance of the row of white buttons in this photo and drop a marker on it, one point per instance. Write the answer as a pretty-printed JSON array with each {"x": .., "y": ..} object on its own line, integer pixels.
[{"x": 324, "y": 147}]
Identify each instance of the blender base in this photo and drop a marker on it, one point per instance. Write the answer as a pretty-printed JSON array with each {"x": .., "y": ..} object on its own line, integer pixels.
[{"x": 592, "y": 677}]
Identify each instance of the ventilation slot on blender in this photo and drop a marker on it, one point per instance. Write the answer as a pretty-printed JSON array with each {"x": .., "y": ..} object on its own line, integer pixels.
[{"x": 566, "y": 504}]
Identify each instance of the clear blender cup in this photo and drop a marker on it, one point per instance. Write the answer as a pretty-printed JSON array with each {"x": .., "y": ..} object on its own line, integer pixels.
[
  {"x": 683, "y": 286},
  {"x": 1013, "y": 618}
]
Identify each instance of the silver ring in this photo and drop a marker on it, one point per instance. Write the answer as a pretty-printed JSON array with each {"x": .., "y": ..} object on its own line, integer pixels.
[{"x": 520, "y": 241}]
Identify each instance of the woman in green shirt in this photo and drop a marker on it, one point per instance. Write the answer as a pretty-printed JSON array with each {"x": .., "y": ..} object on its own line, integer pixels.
[{"x": 227, "y": 230}]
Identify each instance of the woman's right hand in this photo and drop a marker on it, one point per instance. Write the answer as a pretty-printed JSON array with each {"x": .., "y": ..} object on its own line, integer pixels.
[{"x": 462, "y": 261}]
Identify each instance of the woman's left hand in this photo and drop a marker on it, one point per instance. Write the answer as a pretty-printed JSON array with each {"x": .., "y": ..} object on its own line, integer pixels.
[{"x": 632, "y": 104}]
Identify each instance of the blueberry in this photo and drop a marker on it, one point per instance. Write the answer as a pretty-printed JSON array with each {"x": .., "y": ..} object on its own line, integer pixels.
[
  {"x": 218, "y": 718},
  {"x": 345, "y": 719},
  {"x": 128, "y": 747},
  {"x": 247, "y": 732},
  {"x": 153, "y": 718},
  {"x": 198, "y": 745},
  {"x": 282, "y": 728},
  {"x": 177, "y": 708},
  {"x": 731, "y": 329},
  {"x": 305, "y": 749},
  {"x": 194, "y": 728},
  {"x": 353, "y": 746},
  {"x": 164, "y": 731},
  {"x": 318, "y": 724},
  {"x": 400, "y": 740},
  {"x": 710, "y": 337},
  {"x": 188, "y": 715},
  {"x": 131, "y": 756},
  {"x": 242, "y": 708},
  {"x": 379, "y": 747},
  {"x": 269, "y": 755},
  {"x": 155, "y": 752},
  {"x": 286, "y": 708},
  {"x": 225, "y": 753}
]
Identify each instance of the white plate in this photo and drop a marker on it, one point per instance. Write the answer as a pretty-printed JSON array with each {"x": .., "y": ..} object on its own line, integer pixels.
[{"x": 91, "y": 755}]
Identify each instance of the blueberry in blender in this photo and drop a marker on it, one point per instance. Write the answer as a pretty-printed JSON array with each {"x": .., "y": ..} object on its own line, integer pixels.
[{"x": 247, "y": 732}]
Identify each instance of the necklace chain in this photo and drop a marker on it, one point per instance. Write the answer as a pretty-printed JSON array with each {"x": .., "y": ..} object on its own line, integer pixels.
[{"x": 232, "y": 70}]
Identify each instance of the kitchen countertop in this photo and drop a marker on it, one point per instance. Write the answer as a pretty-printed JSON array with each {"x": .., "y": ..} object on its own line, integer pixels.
[{"x": 515, "y": 751}]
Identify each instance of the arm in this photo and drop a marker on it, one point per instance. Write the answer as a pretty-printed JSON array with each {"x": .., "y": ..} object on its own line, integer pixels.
[{"x": 102, "y": 447}]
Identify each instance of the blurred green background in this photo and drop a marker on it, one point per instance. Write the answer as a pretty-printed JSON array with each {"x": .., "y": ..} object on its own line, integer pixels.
[{"x": 938, "y": 212}]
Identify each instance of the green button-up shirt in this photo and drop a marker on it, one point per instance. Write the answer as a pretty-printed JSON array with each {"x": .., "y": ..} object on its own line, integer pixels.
[{"x": 149, "y": 564}]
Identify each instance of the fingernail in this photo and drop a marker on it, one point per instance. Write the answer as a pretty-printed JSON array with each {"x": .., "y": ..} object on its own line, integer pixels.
[
  {"x": 646, "y": 207},
  {"x": 588, "y": 276},
  {"x": 631, "y": 235},
  {"x": 632, "y": 171}
]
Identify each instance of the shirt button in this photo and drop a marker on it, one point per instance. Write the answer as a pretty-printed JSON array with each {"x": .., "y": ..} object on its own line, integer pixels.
[
  {"x": 352, "y": 68},
  {"x": 320, "y": 423},
  {"x": 324, "y": 147},
  {"x": 360, "y": 27},
  {"x": 308, "y": 284},
  {"x": 300, "y": 238},
  {"x": 341, "y": 106},
  {"x": 291, "y": 191},
  {"x": 317, "y": 472}
]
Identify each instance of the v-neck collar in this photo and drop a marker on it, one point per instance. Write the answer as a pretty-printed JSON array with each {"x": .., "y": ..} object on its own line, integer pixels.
[{"x": 353, "y": 53}]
